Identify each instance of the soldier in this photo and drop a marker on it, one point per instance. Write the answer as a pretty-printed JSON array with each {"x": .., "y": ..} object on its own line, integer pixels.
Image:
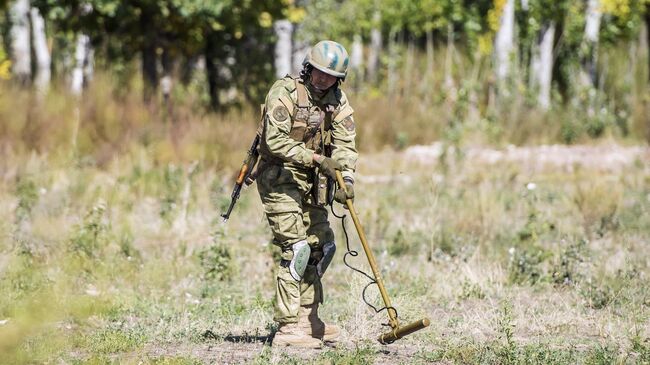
[{"x": 308, "y": 134}]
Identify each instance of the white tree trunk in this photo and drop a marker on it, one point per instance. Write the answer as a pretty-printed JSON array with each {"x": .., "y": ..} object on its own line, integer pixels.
[
  {"x": 42, "y": 52},
  {"x": 449, "y": 59},
  {"x": 283, "y": 49},
  {"x": 300, "y": 49},
  {"x": 592, "y": 30},
  {"x": 375, "y": 47},
  {"x": 89, "y": 67},
  {"x": 20, "y": 41},
  {"x": 82, "y": 51},
  {"x": 391, "y": 77},
  {"x": 504, "y": 41},
  {"x": 356, "y": 56},
  {"x": 542, "y": 66},
  {"x": 592, "y": 27}
]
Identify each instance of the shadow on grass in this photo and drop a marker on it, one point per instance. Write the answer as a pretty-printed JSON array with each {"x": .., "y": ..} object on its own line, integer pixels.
[{"x": 244, "y": 338}]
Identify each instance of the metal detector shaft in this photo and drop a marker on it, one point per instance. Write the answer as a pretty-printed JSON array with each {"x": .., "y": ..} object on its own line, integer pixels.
[{"x": 397, "y": 332}]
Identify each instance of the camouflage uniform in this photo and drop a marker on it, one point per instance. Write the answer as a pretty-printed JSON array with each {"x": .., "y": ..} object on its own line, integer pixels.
[{"x": 297, "y": 124}]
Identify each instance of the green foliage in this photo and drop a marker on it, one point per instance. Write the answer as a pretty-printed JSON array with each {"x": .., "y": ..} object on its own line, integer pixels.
[
  {"x": 172, "y": 186},
  {"x": 362, "y": 355},
  {"x": 597, "y": 295},
  {"x": 525, "y": 265},
  {"x": 217, "y": 262},
  {"x": 506, "y": 328},
  {"x": 91, "y": 236},
  {"x": 112, "y": 341},
  {"x": 176, "y": 360},
  {"x": 471, "y": 290},
  {"x": 400, "y": 244},
  {"x": 27, "y": 194},
  {"x": 566, "y": 270}
]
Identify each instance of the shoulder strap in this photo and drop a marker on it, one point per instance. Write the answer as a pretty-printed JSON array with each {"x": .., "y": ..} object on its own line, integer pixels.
[{"x": 303, "y": 100}]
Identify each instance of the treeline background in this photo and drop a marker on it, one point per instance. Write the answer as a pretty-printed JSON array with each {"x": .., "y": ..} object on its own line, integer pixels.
[{"x": 185, "y": 76}]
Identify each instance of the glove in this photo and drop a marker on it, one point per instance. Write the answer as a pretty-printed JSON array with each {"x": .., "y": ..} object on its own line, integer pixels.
[
  {"x": 341, "y": 196},
  {"x": 328, "y": 167}
]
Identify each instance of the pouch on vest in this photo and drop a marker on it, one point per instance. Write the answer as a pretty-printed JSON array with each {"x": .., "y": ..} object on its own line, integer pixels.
[{"x": 322, "y": 190}]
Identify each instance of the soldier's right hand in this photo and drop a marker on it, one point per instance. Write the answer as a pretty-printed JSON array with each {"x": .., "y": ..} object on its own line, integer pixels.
[{"x": 328, "y": 167}]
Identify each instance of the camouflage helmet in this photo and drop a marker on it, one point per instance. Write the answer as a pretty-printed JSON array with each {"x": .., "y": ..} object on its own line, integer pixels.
[{"x": 329, "y": 57}]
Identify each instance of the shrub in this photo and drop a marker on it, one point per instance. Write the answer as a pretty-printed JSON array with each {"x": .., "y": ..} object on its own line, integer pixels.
[{"x": 90, "y": 237}]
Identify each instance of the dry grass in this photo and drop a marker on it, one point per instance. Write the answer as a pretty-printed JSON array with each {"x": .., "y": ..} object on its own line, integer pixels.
[{"x": 508, "y": 272}]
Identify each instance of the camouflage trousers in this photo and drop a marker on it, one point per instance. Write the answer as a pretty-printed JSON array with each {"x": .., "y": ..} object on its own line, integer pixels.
[{"x": 284, "y": 192}]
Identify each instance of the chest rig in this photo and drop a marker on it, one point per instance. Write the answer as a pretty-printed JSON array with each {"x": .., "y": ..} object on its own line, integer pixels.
[{"x": 312, "y": 123}]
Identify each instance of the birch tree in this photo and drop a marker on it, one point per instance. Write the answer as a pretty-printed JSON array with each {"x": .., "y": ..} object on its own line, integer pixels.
[
  {"x": 375, "y": 47},
  {"x": 543, "y": 17},
  {"x": 542, "y": 65},
  {"x": 41, "y": 51},
  {"x": 20, "y": 41},
  {"x": 592, "y": 31},
  {"x": 283, "y": 47},
  {"x": 504, "y": 41},
  {"x": 81, "y": 58},
  {"x": 356, "y": 59}
]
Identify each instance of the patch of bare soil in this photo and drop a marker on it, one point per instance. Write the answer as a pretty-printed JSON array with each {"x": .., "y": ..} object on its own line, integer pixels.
[
  {"x": 234, "y": 349},
  {"x": 604, "y": 157}
]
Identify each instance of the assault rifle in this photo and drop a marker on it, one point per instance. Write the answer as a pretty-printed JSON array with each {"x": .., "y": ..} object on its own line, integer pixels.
[{"x": 244, "y": 176}]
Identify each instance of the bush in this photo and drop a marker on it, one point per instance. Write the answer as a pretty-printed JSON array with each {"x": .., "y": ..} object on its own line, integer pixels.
[
  {"x": 217, "y": 263},
  {"x": 90, "y": 237}
]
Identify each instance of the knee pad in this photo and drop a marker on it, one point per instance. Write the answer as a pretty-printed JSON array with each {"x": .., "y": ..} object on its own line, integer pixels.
[
  {"x": 329, "y": 248},
  {"x": 298, "y": 264}
]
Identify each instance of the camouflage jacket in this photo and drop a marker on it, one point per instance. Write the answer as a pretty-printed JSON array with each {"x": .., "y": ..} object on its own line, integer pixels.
[{"x": 298, "y": 124}]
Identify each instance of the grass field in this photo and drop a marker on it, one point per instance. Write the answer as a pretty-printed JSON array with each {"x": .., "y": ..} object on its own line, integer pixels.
[{"x": 517, "y": 255}]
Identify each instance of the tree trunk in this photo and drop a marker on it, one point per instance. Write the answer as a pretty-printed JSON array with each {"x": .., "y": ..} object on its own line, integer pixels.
[
  {"x": 20, "y": 41},
  {"x": 504, "y": 41},
  {"x": 430, "y": 53},
  {"x": 449, "y": 79},
  {"x": 89, "y": 65},
  {"x": 166, "y": 79},
  {"x": 592, "y": 30},
  {"x": 283, "y": 48},
  {"x": 80, "y": 59},
  {"x": 41, "y": 51},
  {"x": 392, "y": 60},
  {"x": 149, "y": 70},
  {"x": 212, "y": 70},
  {"x": 408, "y": 65},
  {"x": 299, "y": 51},
  {"x": 166, "y": 84},
  {"x": 542, "y": 65},
  {"x": 149, "y": 57},
  {"x": 647, "y": 33},
  {"x": 356, "y": 60},
  {"x": 375, "y": 48}
]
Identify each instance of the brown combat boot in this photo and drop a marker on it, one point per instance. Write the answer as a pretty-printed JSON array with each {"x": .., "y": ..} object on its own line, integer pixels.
[
  {"x": 312, "y": 325},
  {"x": 293, "y": 334}
]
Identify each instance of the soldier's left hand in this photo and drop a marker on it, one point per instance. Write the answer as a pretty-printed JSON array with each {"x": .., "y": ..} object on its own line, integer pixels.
[{"x": 341, "y": 196}]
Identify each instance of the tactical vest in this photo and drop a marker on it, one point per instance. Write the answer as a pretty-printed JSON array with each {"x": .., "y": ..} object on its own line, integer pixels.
[{"x": 311, "y": 124}]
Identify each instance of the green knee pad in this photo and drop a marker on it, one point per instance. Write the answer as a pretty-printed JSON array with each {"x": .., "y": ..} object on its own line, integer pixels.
[{"x": 298, "y": 264}]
